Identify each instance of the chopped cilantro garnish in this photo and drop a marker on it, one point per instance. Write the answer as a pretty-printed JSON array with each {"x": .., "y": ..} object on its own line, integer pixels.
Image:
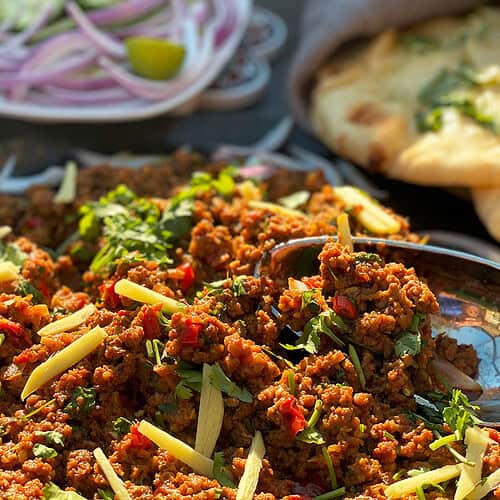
[
  {"x": 10, "y": 252},
  {"x": 451, "y": 88},
  {"x": 24, "y": 288},
  {"x": 410, "y": 341},
  {"x": 121, "y": 425},
  {"x": 52, "y": 492},
  {"x": 222, "y": 382},
  {"x": 190, "y": 381},
  {"x": 220, "y": 472},
  {"x": 310, "y": 338},
  {"x": 309, "y": 300},
  {"x": 310, "y": 434},
  {"x": 460, "y": 413},
  {"x": 83, "y": 400},
  {"x": 51, "y": 437},
  {"x": 106, "y": 494},
  {"x": 42, "y": 451}
]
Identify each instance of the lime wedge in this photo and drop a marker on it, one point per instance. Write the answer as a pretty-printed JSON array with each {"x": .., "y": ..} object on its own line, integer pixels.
[{"x": 153, "y": 58}]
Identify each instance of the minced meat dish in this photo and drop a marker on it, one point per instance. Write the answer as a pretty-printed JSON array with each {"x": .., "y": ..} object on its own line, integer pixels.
[{"x": 140, "y": 357}]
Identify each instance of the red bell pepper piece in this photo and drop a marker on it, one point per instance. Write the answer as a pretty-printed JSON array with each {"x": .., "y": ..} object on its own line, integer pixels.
[
  {"x": 293, "y": 417},
  {"x": 344, "y": 307},
  {"x": 190, "y": 336},
  {"x": 108, "y": 295},
  {"x": 139, "y": 440},
  {"x": 188, "y": 278},
  {"x": 150, "y": 323}
]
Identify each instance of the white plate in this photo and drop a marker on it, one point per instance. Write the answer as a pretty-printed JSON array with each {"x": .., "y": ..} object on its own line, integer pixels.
[{"x": 135, "y": 109}]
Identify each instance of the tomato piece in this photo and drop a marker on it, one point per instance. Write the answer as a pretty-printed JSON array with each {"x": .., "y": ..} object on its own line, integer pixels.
[
  {"x": 17, "y": 334},
  {"x": 494, "y": 434},
  {"x": 344, "y": 307},
  {"x": 139, "y": 440},
  {"x": 188, "y": 278},
  {"x": 190, "y": 336},
  {"x": 26, "y": 356},
  {"x": 150, "y": 323},
  {"x": 294, "y": 418},
  {"x": 108, "y": 295},
  {"x": 312, "y": 281}
]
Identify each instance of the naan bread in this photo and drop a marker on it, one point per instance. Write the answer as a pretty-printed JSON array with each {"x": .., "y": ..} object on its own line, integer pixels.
[
  {"x": 365, "y": 104},
  {"x": 487, "y": 203}
]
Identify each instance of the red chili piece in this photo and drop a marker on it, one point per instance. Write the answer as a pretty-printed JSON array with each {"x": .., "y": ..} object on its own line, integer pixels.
[
  {"x": 139, "y": 440},
  {"x": 188, "y": 278},
  {"x": 190, "y": 336},
  {"x": 18, "y": 336},
  {"x": 344, "y": 307},
  {"x": 150, "y": 323},
  {"x": 108, "y": 295},
  {"x": 299, "y": 497},
  {"x": 294, "y": 418}
]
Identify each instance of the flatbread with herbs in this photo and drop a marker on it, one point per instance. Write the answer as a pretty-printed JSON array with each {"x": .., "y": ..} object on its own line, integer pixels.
[{"x": 421, "y": 105}]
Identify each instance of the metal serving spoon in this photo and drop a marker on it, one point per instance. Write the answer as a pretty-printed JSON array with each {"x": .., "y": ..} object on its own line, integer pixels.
[{"x": 467, "y": 288}]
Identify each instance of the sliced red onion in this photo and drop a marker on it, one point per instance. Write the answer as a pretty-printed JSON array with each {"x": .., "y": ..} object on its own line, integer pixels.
[
  {"x": 124, "y": 11},
  {"x": 225, "y": 20},
  {"x": 154, "y": 26},
  {"x": 73, "y": 63},
  {"x": 40, "y": 21},
  {"x": 48, "y": 52},
  {"x": 84, "y": 82},
  {"x": 103, "y": 42},
  {"x": 261, "y": 172},
  {"x": 103, "y": 96},
  {"x": 191, "y": 43},
  {"x": 454, "y": 376},
  {"x": 200, "y": 12}
]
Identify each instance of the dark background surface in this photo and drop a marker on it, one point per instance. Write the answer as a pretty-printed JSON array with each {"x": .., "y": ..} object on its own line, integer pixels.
[{"x": 428, "y": 208}]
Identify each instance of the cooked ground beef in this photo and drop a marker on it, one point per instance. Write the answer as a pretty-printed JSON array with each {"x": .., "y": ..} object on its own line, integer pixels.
[{"x": 367, "y": 421}]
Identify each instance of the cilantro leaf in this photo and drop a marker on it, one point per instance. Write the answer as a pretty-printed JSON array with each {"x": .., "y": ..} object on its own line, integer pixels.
[
  {"x": 24, "y": 288},
  {"x": 83, "y": 400},
  {"x": 179, "y": 220},
  {"x": 320, "y": 324},
  {"x": 42, "y": 451},
  {"x": 220, "y": 472},
  {"x": 310, "y": 434},
  {"x": 410, "y": 342},
  {"x": 51, "y": 437},
  {"x": 52, "y": 492},
  {"x": 309, "y": 300},
  {"x": 121, "y": 425},
  {"x": 295, "y": 200},
  {"x": 460, "y": 413},
  {"x": 10, "y": 252},
  {"x": 106, "y": 494},
  {"x": 366, "y": 257},
  {"x": 222, "y": 382},
  {"x": 190, "y": 381}
]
